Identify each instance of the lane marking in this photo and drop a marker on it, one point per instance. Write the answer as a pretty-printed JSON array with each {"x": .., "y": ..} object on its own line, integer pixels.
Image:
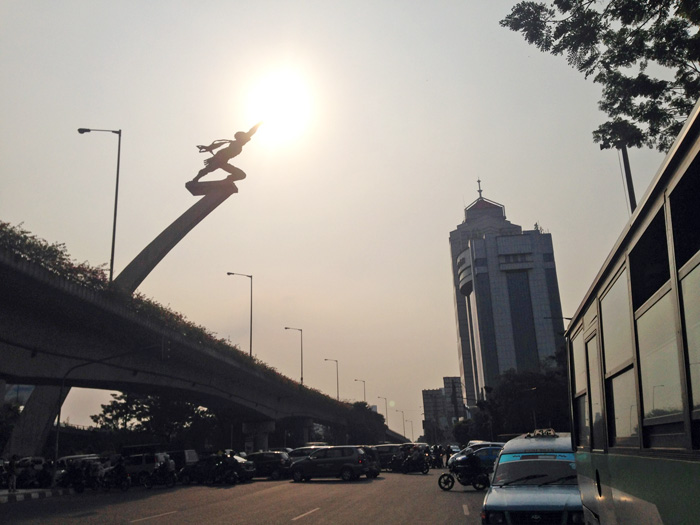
[
  {"x": 466, "y": 510},
  {"x": 151, "y": 517},
  {"x": 306, "y": 513}
]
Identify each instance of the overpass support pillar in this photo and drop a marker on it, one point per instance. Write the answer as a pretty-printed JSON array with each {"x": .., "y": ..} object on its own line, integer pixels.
[
  {"x": 307, "y": 430},
  {"x": 35, "y": 422},
  {"x": 257, "y": 434}
]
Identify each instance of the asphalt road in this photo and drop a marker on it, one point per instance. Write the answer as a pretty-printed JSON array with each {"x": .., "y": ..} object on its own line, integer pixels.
[{"x": 389, "y": 499}]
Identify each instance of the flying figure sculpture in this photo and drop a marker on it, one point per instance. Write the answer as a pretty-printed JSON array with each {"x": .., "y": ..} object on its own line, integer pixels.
[{"x": 219, "y": 160}]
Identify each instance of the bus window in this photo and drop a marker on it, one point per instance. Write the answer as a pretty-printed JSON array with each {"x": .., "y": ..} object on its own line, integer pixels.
[
  {"x": 623, "y": 416},
  {"x": 616, "y": 321},
  {"x": 690, "y": 287},
  {"x": 596, "y": 395},
  {"x": 649, "y": 262},
  {"x": 658, "y": 360}
]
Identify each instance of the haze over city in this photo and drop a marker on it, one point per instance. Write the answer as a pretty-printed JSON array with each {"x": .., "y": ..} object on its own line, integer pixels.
[{"x": 378, "y": 120}]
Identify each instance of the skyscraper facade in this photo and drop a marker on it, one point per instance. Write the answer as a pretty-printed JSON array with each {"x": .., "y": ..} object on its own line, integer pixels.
[
  {"x": 442, "y": 408},
  {"x": 507, "y": 303}
]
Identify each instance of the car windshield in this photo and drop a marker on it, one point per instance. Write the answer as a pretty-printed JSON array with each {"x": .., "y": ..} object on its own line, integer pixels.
[{"x": 535, "y": 469}]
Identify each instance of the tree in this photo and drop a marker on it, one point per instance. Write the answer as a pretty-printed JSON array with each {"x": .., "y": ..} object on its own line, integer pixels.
[
  {"x": 365, "y": 426},
  {"x": 645, "y": 54},
  {"x": 163, "y": 417}
]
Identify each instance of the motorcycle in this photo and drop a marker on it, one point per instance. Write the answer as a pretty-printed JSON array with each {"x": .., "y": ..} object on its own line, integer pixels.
[
  {"x": 162, "y": 475},
  {"x": 116, "y": 476},
  {"x": 466, "y": 475},
  {"x": 73, "y": 476},
  {"x": 415, "y": 465}
]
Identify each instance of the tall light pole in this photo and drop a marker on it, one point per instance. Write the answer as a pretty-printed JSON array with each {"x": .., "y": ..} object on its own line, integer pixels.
[
  {"x": 251, "y": 306},
  {"x": 403, "y": 417},
  {"x": 302, "y": 349},
  {"x": 386, "y": 409},
  {"x": 412, "y": 438},
  {"x": 364, "y": 389},
  {"x": 60, "y": 401},
  {"x": 337, "y": 381},
  {"x": 117, "y": 132}
]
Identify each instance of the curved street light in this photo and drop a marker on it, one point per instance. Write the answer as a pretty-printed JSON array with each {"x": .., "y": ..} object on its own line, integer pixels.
[
  {"x": 403, "y": 417},
  {"x": 302, "y": 350},
  {"x": 251, "y": 306},
  {"x": 386, "y": 409},
  {"x": 364, "y": 389},
  {"x": 337, "y": 381},
  {"x": 117, "y": 132}
]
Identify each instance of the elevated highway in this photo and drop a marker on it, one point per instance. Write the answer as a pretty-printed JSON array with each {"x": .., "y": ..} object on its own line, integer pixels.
[{"x": 58, "y": 334}]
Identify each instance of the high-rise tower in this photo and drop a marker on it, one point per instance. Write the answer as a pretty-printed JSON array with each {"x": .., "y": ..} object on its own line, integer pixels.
[{"x": 506, "y": 297}]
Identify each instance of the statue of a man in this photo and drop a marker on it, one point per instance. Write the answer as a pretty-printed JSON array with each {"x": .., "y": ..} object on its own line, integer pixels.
[{"x": 219, "y": 160}]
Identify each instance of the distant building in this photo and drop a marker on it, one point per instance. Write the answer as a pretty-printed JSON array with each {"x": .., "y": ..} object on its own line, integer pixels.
[
  {"x": 506, "y": 293},
  {"x": 442, "y": 408}
]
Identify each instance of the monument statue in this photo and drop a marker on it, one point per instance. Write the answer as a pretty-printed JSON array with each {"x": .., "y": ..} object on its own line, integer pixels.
[{"x": 219, "y": 160}]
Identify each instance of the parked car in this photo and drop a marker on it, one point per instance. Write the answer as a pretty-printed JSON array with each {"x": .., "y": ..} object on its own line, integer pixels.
[
  {"x": 374, "y": 467},
  {"x": 302, "y": 452},
  {"x": 473, "y": 446},
  {"x": 346, "y": 462},
  {"x": 534, "y": 481},
  {"x": 210, "y": 470},
  {"x": 271, "y": 464},
  {"x": 140, "y": 466},
  {"x": 33, "y": 471},
  {"x": 487, "y": 456},
  {"x": 386, "y": 452},
  {"x": 245, "y": 469},
  {"x": 183, "y": 458}
]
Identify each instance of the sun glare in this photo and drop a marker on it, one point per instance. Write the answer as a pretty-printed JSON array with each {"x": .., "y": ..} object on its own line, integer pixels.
[{"x": 281, "y": 100}]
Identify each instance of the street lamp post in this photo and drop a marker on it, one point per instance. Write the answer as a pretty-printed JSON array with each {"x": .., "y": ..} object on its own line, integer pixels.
[
  {"x": 117, "y": 132},
  {"x": 301, "y": 332},
  {"x": 364, "y": 389},
  {"x": 386, "y": 409},
  {"x": 251, "y": 306},
  {"x": 60, "y": 401},
  {"x": 337, "y": 380},
  {"x": 412, "y": 438},
  {"x": 403, "y": 418}
]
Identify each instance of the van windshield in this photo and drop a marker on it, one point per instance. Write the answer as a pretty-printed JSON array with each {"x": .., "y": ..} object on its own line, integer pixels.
[{"x": 535, "y": 469}]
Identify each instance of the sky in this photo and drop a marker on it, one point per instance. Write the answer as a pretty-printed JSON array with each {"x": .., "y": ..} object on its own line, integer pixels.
[{"x": 378, "y": 120}]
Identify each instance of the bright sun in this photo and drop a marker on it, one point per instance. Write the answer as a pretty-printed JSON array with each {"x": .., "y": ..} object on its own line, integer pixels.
[{"x": 281, "y": 100}]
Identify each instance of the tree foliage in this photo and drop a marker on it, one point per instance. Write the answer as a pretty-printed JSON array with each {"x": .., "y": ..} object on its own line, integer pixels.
[
  {"x": 163, "y": 417},
  {"x": 365, "y": 426},
  {"x": 645, "y": 54}
]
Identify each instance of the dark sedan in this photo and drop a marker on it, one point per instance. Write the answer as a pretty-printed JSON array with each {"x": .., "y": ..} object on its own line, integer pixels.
[{"x": 271, "y": 464}]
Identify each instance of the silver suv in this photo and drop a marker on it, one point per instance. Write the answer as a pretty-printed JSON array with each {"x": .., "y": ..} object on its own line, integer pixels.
[{"x": 345, "y": 462}]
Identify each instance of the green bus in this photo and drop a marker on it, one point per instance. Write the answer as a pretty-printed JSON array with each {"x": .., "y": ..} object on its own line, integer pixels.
[{"x": 634, "y": 357}]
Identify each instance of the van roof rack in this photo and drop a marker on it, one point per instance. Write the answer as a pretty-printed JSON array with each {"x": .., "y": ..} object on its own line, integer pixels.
[{"x": 541, "y": 432}]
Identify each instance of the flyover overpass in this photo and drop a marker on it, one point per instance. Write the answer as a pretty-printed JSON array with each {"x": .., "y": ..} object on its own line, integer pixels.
[{"x": 58, "y": 334}]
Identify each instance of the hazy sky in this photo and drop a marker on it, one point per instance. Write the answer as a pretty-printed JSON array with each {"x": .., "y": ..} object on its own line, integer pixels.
[{"x": 398, "y": 107}]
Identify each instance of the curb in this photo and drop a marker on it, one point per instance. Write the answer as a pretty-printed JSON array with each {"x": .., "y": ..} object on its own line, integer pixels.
[{"x": 5, "y": 497}]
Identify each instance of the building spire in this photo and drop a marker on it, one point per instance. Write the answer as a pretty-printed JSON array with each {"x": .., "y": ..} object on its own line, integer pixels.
[{"x": 479, "y": 181}]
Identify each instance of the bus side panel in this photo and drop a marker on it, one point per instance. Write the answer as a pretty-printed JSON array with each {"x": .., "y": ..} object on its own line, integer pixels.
[
  {"x": 654, "y": 490},
  {"x": 594, "y": 484}
]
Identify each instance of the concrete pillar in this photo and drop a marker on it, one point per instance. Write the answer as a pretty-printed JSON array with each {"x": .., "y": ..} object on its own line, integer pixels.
[
  {"x": 257, "y": 434},
  {"x": 35, "y": 422}
]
